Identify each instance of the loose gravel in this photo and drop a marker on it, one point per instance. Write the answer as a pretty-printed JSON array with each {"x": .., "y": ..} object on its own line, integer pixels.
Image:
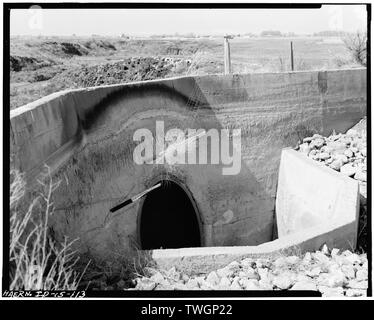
[
  {"x": 333, "y": 273},
  {"x": 345, "y": 153}
]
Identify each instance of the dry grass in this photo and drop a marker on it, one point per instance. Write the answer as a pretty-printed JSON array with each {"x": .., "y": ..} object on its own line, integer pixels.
[
  {"x": 118, "y": 273},
  {"x": 37, "y": 262}
]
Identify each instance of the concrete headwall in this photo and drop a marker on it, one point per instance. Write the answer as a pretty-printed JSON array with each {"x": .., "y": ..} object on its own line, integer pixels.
[{"x": 86, "y": 137}]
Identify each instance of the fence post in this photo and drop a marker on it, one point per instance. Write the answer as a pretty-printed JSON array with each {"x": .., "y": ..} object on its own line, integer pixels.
[
  {"x": 292, "y": 68},
  {"x": 227, "y": 58}
]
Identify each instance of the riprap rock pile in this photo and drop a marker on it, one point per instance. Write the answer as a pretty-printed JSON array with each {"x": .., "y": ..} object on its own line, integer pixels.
[{"x": 346, "y": 153}]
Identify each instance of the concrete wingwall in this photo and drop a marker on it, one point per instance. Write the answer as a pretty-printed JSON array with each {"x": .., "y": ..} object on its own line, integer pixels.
[
  {"x": 86, "y": 137},
  {"x": 310, "y": 195}
]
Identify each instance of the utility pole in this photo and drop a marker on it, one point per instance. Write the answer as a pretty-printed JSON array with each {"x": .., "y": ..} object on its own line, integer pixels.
[
  {"x": 292, "y": 57},
  {"x": 227, "y": 58}
]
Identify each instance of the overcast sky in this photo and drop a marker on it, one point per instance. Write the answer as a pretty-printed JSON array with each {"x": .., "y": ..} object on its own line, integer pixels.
[{"x": 170, "y": 21}]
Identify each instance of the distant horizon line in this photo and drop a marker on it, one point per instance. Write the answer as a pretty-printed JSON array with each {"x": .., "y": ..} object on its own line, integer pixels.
[{"x": 193, "y": 34}]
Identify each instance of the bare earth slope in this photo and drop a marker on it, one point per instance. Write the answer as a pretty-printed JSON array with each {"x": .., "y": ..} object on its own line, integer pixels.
[{"x": 42, "y": 65}]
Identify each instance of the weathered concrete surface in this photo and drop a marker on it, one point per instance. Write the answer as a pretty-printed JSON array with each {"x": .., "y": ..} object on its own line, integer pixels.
[
  {"x": 309, "y": 194},
  {"x": 85, "y": 136}
]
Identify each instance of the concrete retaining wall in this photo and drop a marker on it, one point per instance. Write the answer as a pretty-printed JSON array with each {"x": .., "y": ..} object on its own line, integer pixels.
[
  {"x": 309, "y": 194},
  {"x": 85, "y": 136}
]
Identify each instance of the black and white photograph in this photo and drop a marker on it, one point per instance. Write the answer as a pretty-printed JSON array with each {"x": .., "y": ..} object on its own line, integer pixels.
[{"x": 186, "y": 150}]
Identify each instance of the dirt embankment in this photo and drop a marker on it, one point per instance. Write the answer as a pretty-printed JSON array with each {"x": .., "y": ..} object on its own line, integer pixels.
[
  {"x": 44, "y": 66},
  {"x": 49, "y": 54},
  {"x": 19, "y": 63},
  {"x": 132, "y": 69},
  {"x": 29, "y": 86}
]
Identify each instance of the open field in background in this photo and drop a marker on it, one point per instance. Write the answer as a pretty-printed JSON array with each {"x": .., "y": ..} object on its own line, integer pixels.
[{"x": 43, "y": 65}]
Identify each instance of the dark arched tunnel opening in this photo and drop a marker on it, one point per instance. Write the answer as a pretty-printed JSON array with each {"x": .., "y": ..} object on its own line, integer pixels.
[{"x": 168, "y": 219}]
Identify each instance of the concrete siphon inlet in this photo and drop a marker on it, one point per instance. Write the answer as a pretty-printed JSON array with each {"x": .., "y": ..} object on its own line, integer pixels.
[
  {"x": 168, "y": 219},
  {"x": 86, "y": 137}
]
